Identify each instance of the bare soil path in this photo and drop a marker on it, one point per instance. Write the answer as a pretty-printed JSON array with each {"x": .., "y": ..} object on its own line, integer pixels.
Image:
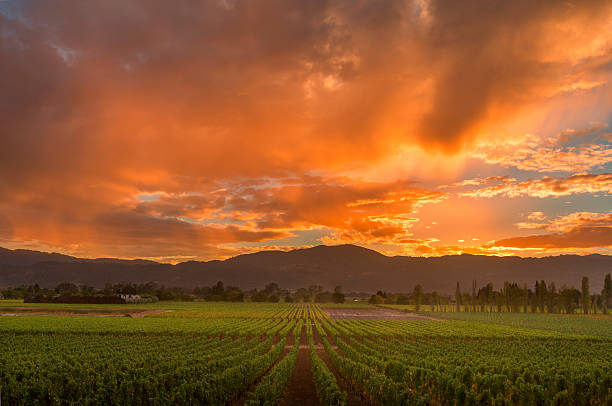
[{"x": 301, "y": 389}]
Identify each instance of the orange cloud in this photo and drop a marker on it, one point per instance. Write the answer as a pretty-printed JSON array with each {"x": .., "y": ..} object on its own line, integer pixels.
[
  {"x": 532, "y": 153},
  {"x": 183, "y": 224},
  {"x": 577, "y": 230},
  {"x": 546, "y": 187},
  {"x": 172, "y": 129},
  {"x": 536, "y": 215}
]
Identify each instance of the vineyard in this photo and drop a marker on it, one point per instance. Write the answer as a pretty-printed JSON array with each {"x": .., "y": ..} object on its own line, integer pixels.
[{"x": 267, "y": 354}]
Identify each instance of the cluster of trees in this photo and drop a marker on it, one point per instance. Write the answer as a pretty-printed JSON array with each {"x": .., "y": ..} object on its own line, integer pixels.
[
  {"x": 149, "y": 290},
  {"x": 314, "y": 293},
  {"x": 219, "y": 293},
  {"x": 216, "y": 293},
  {"x": 63, "y": 289},
  {"x": 417, "y": 298},
  {"x": 543, "y": 298},
  {"x": 511, "y": 297}
]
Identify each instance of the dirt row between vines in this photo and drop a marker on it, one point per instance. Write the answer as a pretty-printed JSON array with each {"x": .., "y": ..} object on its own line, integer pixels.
[{"x": 301, "y": 389}]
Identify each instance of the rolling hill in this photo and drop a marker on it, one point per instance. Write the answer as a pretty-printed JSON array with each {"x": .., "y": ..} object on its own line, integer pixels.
[{"x": 354, "y": 268}]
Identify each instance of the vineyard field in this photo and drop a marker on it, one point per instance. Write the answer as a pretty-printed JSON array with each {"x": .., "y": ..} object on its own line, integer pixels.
[
  {"x": 255, "y": 354},
  {"x": 595, "y": 325}
]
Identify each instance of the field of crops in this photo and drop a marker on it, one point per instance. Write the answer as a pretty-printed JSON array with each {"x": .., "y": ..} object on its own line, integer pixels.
[
  {"x": 571, "y": 324},
  {"x": 256, "y": 354}
]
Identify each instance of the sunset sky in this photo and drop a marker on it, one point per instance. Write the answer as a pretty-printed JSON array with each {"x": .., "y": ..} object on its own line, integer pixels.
[{"x": 179, "y": 130}]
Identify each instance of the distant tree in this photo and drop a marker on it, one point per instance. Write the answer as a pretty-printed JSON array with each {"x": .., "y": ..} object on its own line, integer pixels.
[
  {"x": 465, "y": 300},
  {"x": 338, "y": 296},
  {"x": 323, "y": 297},
  {"x": 533, "y": 297},
  {"x": 542, "y": 296},
  {"x": 498, "y": 300},
  {"x": 314, "y": 290},
  {"x": 473, "y": 298},
  {"x": 402, "y": 300},
  {"x": 35, "y": 289},
  {"x": 233, "y": 294},
  {"x": 67, "y": 289},
  {"x": 381, "y": 293},
  {"x": 203, "y": 292},
  {"x": 551, "y": 305},
  {"x": 288, "y": 299},
  {"x": 458, "y": 298},
  {"x": 218, "y": 289},
  {"x": 376, "y": 299},
  {"x": 271, "y": 288},
  {"x": 485, "y": 297},
  {"x": 506, "y": 294},
  {"x": 417, "y": 295},
  {"x": 259, "y": 297},
  {"x": 489, "y": 299},
  {"x": 434, "y": 300},
  {"x": 85, "y": 290},
  {"x": 606, "y": 293},
  {"x": 273, "y": 299},
  {"x": 586, "y": 297},
  {"x": 303, "y": 295},
  {"x": 568, "y": 299}
]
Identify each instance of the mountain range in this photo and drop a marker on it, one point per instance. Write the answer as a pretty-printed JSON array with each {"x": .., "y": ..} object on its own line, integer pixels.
[{"x": 354, "y": 268}]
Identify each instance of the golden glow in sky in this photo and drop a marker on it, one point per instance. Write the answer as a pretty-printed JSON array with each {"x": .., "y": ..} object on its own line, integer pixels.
[{"x": 199, "y": 130}]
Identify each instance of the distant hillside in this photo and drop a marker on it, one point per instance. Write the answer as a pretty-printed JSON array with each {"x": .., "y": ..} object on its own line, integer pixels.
[{"x": 355, "y": 268}]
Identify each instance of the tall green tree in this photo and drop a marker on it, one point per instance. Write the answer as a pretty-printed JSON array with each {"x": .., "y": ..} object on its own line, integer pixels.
[
  {"x": 542, "y": 298},
  {"x": 606, "y": 293},
  {"x": 586, "y": 297},
  {"x": 551, "y": 306},
  {"x": 474, "y": 295},
  {"x": 507, "y": 295},
  {"x": 418, "y": 296},
  {"x": 338, "y": 296},
  {"x": 458, "y": 298},
  {"x": 435, "y": 300}
]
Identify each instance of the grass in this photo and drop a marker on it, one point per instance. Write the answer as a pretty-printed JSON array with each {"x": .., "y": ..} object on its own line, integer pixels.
[{"x": 599, "y": 326}]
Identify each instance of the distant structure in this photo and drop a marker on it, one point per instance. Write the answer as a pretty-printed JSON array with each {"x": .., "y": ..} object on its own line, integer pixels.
[{"x": 128, "y": 298}]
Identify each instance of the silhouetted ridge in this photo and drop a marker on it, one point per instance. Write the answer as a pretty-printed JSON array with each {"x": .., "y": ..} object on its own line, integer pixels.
[{"x": 354, "y": 268}]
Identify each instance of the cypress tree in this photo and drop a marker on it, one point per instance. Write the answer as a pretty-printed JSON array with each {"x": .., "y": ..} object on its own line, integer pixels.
[
  {"x": 606, "y": 293},
  {"x": 418, "y": 296},
  {"x": 474, "y": 295},
  {"x": 586, "y": 297},
  {"x": 458, "y": 298}
]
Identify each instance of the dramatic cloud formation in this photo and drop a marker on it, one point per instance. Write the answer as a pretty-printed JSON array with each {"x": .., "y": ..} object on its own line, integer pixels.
[
  {"x": 544, "y": 187},
  {"x": 202, "y": 129},
  {"x": 577, "y": 230},
  {"x": 560, "y": 154}
]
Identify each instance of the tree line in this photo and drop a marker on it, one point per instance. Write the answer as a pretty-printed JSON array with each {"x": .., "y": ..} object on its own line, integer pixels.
[
  {"x": 512, "y": 297},
  {"x": 151, "y": 290}
]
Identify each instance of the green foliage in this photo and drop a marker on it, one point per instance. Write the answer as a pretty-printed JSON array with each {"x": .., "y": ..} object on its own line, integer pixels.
[
  {"x": 597, "y": 326},
  {"x": 211, "y": 353},
  {"x": 270, "y": 390},
  {"x": 327, "y": 389}
]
